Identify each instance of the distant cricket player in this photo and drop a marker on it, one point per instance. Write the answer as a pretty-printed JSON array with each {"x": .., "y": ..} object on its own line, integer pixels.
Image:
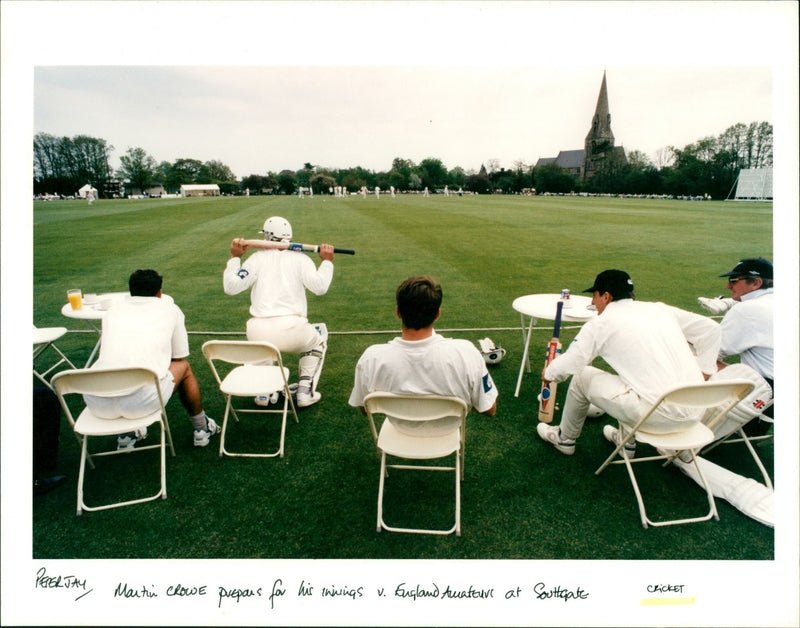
[
  {"x": 279, "y": 279},
  {"x": 647, "y": 345}
]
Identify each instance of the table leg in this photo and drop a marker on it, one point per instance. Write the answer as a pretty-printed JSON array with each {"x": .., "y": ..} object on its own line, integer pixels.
[
  {"x": 96, "y": 345},
  {"x": 525, "y": 360}
]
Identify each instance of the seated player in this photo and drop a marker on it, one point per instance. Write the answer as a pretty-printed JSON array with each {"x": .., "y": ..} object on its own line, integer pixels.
[
  {"x": 420, "y": 361},
  {"x": 148, "y": 330},
  {"x": 279, "y": 279}
]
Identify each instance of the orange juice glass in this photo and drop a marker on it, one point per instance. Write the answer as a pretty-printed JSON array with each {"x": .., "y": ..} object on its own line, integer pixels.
[{"x": 75, "y": 299}]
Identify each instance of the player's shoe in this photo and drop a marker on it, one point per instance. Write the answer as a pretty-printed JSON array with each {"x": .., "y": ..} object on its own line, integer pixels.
[
  {"x": 611, "y": 434},
  {"x": 552, "y": 434},
  {"x": 305, "y": 399},
  {"x": 129, "y": 440},
  {"x": 202, "y": 437}
]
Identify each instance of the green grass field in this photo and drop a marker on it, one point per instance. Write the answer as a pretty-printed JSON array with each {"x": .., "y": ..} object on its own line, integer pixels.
[{"x": 319, "y": 501}]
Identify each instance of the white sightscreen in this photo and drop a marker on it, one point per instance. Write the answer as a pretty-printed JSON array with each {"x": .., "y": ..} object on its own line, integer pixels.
[{"x": 754, "y": 183}]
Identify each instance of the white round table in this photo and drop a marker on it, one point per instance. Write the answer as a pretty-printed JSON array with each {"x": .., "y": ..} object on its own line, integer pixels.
[
  {"x": 543, "y": 306},
  {"x": 94, "y": 312}
]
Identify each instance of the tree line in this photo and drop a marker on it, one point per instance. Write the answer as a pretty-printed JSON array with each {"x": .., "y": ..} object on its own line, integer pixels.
[{"x": 708, "y": 166}]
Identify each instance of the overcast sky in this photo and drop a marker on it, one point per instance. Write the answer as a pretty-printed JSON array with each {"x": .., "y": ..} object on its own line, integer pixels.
[{"x": 256, "y": 119}]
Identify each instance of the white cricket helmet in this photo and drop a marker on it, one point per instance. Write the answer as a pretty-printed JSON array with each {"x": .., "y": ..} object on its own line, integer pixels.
[{"x": 277, "y": 229}]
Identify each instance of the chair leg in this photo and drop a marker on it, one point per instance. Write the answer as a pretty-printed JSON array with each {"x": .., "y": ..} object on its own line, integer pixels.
[
  {"x": 163, "y": 462},
  {"x": 222, "y": 451},
  {"x": 711, "y": 503},
  {"x": 758, "y": 462},
  {"x": 380, "y": 492},
  {"x": 82, "y": 474},
  {"x": 459, "y": 471}
]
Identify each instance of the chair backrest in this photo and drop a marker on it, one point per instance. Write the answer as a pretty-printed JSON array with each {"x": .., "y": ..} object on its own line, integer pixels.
[
  {"x": 417, "y": 415},
  {"x": 723, "y": 395},
  {"x": 241, "y": 351},
  {"x": 103, "y": 382}
]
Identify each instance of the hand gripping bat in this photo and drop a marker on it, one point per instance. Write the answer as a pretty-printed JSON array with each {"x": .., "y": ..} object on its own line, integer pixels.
[
  {"x": 547, "y": 397},
  {"x": 292, "y": 246}
]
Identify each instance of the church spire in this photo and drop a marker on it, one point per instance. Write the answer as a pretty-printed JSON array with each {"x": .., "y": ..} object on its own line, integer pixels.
[{"x": 601, "y": 123}]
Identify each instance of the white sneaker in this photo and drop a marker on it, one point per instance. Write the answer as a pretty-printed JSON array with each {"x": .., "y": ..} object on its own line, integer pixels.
[
  {"x": 305, "y": 399},
  {"x": 202, "y": 437},
  {"x": 552, "y": 434},
  {"x": 129, "y": 440},
  {"x": 611, "y": 434}
]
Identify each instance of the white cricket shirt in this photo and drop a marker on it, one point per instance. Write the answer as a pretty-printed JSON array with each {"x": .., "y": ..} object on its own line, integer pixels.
[
  {"x": 747, "y": 330},
  {"x": 433, "y": 366},
  {"x": 279, "y": 280},
  {"x": 143, "y": 331},
  {"x": 647, "y": 345}
]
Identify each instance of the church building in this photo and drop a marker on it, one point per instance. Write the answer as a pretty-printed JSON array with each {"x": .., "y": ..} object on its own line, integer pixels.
[{"x": 598, "y": 149}]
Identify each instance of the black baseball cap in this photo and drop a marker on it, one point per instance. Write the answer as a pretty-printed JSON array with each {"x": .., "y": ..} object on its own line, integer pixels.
[
  {"x": 616, "y": 282},
  {"x": 751, "y": 267}
]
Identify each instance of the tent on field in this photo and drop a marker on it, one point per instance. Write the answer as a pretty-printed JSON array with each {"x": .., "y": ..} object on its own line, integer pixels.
[
  {"x": 200, "y": 189},
  {"x": 86, "y": 189}
]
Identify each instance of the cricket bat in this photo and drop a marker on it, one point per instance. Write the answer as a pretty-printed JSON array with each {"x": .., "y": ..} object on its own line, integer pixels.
[
  {"x": 547, "y": 398},
  {"x": 292, "y": 246}
]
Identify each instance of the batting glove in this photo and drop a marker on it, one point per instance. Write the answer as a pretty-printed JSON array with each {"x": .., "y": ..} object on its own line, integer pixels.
[{"x": 716, "y": 306}]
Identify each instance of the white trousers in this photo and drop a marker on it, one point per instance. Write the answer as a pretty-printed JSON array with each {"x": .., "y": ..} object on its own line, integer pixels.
[
  {"x": 750, "y": 497},
  {"x": 293, "y": 334},
  {"x": 609, "y": 393},
  {"x": 140, "y": 403},
  {"x": 290, "y": 334}
]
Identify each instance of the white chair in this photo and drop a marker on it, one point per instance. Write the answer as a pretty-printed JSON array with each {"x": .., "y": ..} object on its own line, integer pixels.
[
  {"x": 689, "y": 436},
  {"x": 110, "y": 382},
  {"x": 259, "y": 371},
  {"x": 43, "y": 338},
  {"x": 418, "y": 428},
  {"x": 739, "y": 436}
]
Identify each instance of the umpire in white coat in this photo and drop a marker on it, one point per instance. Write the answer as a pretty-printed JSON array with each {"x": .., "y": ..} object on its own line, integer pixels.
[{"x": 647, "y": 345}]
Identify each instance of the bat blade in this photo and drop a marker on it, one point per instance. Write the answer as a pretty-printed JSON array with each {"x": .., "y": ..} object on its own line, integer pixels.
[{"x": 547, "y": 396}]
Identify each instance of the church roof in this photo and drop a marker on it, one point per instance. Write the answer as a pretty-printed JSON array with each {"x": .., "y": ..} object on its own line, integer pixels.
[
  {"x": 543, "y": 161},
  {"x": 570, "y": 158}
]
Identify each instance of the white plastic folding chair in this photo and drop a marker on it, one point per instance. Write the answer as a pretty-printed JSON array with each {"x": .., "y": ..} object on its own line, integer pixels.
[
  {"x": 44, "y": 338},
  {"x": 259, "y": 370},
  {"x": 418, "y": 428},
  {"x": 110, "y": 382},
  {"x": 740, "y": 436},
  {"x": 689, "y": 436}
]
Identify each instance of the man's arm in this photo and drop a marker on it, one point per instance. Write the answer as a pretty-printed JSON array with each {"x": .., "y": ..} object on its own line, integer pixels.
[
  {"x": 704, "y": 334},
  {"x": 236, "y": 278},
  {"x": 318, "y": 280}
]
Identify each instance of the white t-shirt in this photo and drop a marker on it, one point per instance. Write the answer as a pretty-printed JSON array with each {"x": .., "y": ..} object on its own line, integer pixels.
[
  {"x": 433, "y": 366},
  {"x": 279, "y": 280},
  {"x": 143, "y": 331},
  {"x": 647, "y": 345},
  {"x": 747, "y": 330}
]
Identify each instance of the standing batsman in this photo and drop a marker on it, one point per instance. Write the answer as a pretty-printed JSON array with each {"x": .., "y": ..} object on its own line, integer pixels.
[{"x": 279, "y": 279}]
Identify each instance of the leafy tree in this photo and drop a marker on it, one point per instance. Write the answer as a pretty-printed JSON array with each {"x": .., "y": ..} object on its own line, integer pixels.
[
  {"x": 214, "y": 172},
  {"x": 287, "y": 183},
  {"x": 320, "y": 183},
  {"x": 432, "y": 172},
  {"x": 62, "y": 164},
  {"x": 138, "y": 168},
  {"x": 183, "y": 171},
  {"x": 552, "y": 178}
]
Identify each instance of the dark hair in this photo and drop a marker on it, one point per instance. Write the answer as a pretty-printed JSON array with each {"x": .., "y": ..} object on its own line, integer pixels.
[
  {"x": 144, "y": 283},
  {"x": 418, "y": 301}
]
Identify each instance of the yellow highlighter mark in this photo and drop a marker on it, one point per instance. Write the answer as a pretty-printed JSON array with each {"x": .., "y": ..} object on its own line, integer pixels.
[{"x": 667, "y": 601}]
